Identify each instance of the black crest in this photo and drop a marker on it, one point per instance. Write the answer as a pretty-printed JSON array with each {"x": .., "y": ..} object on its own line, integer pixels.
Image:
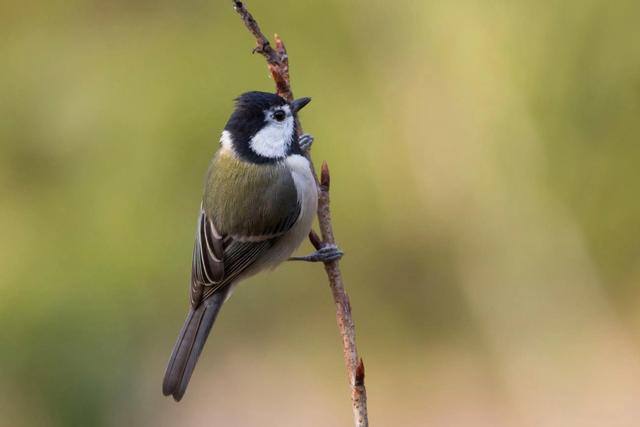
[{"x": 259, "y": 101}]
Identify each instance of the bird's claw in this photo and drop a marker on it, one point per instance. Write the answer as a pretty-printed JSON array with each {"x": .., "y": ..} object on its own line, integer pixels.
[
  {"x": 305, "y": 142},
  {"x": 327, "y": 253}
]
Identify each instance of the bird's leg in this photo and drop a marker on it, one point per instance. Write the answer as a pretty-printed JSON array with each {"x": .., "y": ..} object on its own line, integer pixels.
[
  {"x": 326, "y": 253},
  {"x": 305, "y": 142}
]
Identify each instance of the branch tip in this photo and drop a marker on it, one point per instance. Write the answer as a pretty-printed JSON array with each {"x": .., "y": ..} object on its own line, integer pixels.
[
  {"x": 359, "y": 380},
  {"x": 282, "y": 50},
  {"x": 325, "y": 177}
]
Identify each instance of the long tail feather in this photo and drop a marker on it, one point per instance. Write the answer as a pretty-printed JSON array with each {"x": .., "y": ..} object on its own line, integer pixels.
[{"x": 189, "y": 345}]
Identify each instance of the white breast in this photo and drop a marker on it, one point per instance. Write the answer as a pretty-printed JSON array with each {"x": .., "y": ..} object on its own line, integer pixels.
[
  {"x": 308, "y": 198},
  {"x": 305, "y": 185}
]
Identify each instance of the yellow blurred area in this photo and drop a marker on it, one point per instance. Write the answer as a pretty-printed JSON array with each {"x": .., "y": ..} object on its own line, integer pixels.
[{"x": 485, "y": 185}]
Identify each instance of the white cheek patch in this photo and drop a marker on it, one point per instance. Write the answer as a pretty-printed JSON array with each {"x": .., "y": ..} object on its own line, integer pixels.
[{"x": 273, "y": 140}]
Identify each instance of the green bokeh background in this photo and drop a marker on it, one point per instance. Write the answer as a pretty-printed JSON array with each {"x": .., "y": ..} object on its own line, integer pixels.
[{"x": 485, "y": 162}]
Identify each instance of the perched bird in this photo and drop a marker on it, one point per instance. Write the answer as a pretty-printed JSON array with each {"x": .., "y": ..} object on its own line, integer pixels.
[{"x": 259, "y": 201}]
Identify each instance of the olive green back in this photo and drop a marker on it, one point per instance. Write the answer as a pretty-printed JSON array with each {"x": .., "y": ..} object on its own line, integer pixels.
[{"x": 247, "y": 199}]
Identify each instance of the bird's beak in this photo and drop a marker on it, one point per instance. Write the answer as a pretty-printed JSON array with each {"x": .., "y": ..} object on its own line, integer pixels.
[{"x": 299, "y": 104}]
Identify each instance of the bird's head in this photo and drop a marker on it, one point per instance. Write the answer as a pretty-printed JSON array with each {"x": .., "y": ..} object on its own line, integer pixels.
[{"x": 263, "y": 127}]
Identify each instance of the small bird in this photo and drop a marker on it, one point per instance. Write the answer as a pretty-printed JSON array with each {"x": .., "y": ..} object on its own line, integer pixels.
[{"x": 259, "y": 201}]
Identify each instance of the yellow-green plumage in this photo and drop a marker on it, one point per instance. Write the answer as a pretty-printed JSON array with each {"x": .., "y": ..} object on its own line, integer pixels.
[{"x": 248, "y": 199}]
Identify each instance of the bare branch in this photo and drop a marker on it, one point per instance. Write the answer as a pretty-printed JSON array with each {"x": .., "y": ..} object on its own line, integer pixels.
[
  {"x": 277, "y": 59},
  {"x": 278, "y": 64},
  {"x": 355, "y": 366}
]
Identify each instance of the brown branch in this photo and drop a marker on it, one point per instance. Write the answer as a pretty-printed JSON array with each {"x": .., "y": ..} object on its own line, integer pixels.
[
  {"x": 355, "y": 366},
  {"x": 278, "y": 63},
  {"x": 277, "y": 59}
]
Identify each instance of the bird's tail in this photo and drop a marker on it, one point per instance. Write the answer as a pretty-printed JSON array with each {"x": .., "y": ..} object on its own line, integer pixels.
[{"x": 189, "y": 345}]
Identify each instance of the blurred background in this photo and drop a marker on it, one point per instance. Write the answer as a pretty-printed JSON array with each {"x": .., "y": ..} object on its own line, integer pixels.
[{"x": 485, "y": 166}]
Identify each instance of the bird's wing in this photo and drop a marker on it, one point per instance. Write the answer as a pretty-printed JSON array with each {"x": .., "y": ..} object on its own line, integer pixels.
[
  {"x": 245, "y": 209},
  {"x": 219, "y": 258}
]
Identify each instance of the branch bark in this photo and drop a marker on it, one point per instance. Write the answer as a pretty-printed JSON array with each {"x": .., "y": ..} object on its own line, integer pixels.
[{"x": 278, "y": 64}]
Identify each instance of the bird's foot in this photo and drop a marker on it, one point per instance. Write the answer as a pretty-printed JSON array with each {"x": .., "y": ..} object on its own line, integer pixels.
[
  {"x": 327, "y": 253},
  {"x": 305, "y": 142}
]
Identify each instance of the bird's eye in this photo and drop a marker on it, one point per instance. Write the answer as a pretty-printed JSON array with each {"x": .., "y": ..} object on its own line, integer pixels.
[{"x": 279, "y": 115}]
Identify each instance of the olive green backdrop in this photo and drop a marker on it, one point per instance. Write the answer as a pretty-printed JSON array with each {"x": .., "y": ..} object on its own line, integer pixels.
[{"x": 485, "y": 162}]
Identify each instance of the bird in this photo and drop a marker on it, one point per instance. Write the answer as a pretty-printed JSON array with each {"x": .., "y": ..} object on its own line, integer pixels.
[{"x": 259, "y": 201}]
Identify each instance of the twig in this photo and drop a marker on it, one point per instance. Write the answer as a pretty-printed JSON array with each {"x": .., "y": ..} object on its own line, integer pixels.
[
  {"x": 278, "y": 63},
  {"x": 355, "y": 366}
]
